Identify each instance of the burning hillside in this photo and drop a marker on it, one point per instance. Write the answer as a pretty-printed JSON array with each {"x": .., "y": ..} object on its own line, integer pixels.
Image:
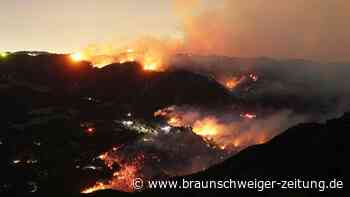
[
  {"x": 231, "y": 130},
  {"x": 151, "y": 124},
  {"x": 161, "y": 90},
  {"x": 153, "y": 54},
  {"x": 161, "y": 150},
  {"x": 122, "y": 177},
  {"x": 149, "y": 61},
  {"x": 181, "y": 140}
]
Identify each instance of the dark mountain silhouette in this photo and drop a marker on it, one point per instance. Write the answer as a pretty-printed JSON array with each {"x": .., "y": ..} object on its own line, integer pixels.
[
  {"x": 307, "y": 151},
  {"x": 45, "y": 98},
  {"x": 125, "y": 83}
]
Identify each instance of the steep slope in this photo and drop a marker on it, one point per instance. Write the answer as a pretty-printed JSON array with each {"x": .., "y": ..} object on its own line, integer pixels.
[{"x": 307, "y": 151}]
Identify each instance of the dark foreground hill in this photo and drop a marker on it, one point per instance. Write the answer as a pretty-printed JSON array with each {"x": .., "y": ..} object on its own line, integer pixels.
[{"x": 307, "y": 151}]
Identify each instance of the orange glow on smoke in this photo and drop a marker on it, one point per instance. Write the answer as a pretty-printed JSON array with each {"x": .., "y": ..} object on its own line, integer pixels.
[
  {"x": 233, "y": 82},
  {"x": 175, "y": 122},
  {"x": 225, "y": 135},
  {"x": 207, "y": 127},
  {"x": 152, "y": 53},
  {"x": 150, "y": 61}
]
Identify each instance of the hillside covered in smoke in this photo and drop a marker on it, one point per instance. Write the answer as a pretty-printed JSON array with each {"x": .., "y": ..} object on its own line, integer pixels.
[
  {"x": 73, "y": 127},
  {"x": 298, "y": 84}
]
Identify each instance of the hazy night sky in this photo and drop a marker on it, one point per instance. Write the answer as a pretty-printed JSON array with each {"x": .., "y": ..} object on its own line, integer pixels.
[
  {"x": 311, "y": 29},
  {"x": 67, "y": 25}
]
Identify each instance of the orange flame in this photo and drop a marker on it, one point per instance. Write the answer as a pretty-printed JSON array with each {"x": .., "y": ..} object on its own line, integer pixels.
[
  {"x": 232, "y": 83},
  {"x": 152, "y": 53},
  {"x": 175, "y": 122},
  {"x": 98, "y": 186},
  {"x": 123, "y": 178},
  {"x": 208, "y": 127},
  {"x": 228, "y": 136},
  {"x": 150, "y": 61},
  {"x": 76, "y": 57}
]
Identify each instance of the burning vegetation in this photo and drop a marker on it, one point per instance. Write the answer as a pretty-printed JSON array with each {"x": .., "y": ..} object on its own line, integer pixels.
[
  {"x": 122, "y": 177},
  {"x": 153, "y": 54},
  {"x": 173, "y": 141},
  {"x": 231, "y": 135},
  {"x": 231, "y": 83},
  {"x": 163, "y": 148},
  {"x": 149, "y": 61}
]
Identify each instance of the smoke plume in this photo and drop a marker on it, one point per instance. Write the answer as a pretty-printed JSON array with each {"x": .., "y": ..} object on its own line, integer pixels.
[{"x": 294, "y": 29}]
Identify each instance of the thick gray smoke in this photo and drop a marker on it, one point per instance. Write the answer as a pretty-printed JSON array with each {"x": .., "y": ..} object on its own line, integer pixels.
[
  {"x": 318, "y": 90},
  {"x": 312, "y": 29}
]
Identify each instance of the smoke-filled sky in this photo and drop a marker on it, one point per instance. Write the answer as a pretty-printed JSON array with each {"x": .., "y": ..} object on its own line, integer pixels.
[{"x": 312, "y": 29}]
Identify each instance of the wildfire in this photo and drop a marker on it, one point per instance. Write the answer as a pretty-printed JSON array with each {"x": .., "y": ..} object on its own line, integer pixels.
[
  {"x": 151, "y": 63},
  {"x": 149, "y": 55},
  {"x": 150, "y": 66},
  {"x": 216, "y": 130},
  {"x": 128, "y": 56},
  {"x": 123, "y": 178},
  {"x": 233, "y": 82},
  {"x": 175, "y": 122},
  {"x": 77, "y": 56},
  {"x": 208, "y": 127},
  {"x": 98, "y": 186}
]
